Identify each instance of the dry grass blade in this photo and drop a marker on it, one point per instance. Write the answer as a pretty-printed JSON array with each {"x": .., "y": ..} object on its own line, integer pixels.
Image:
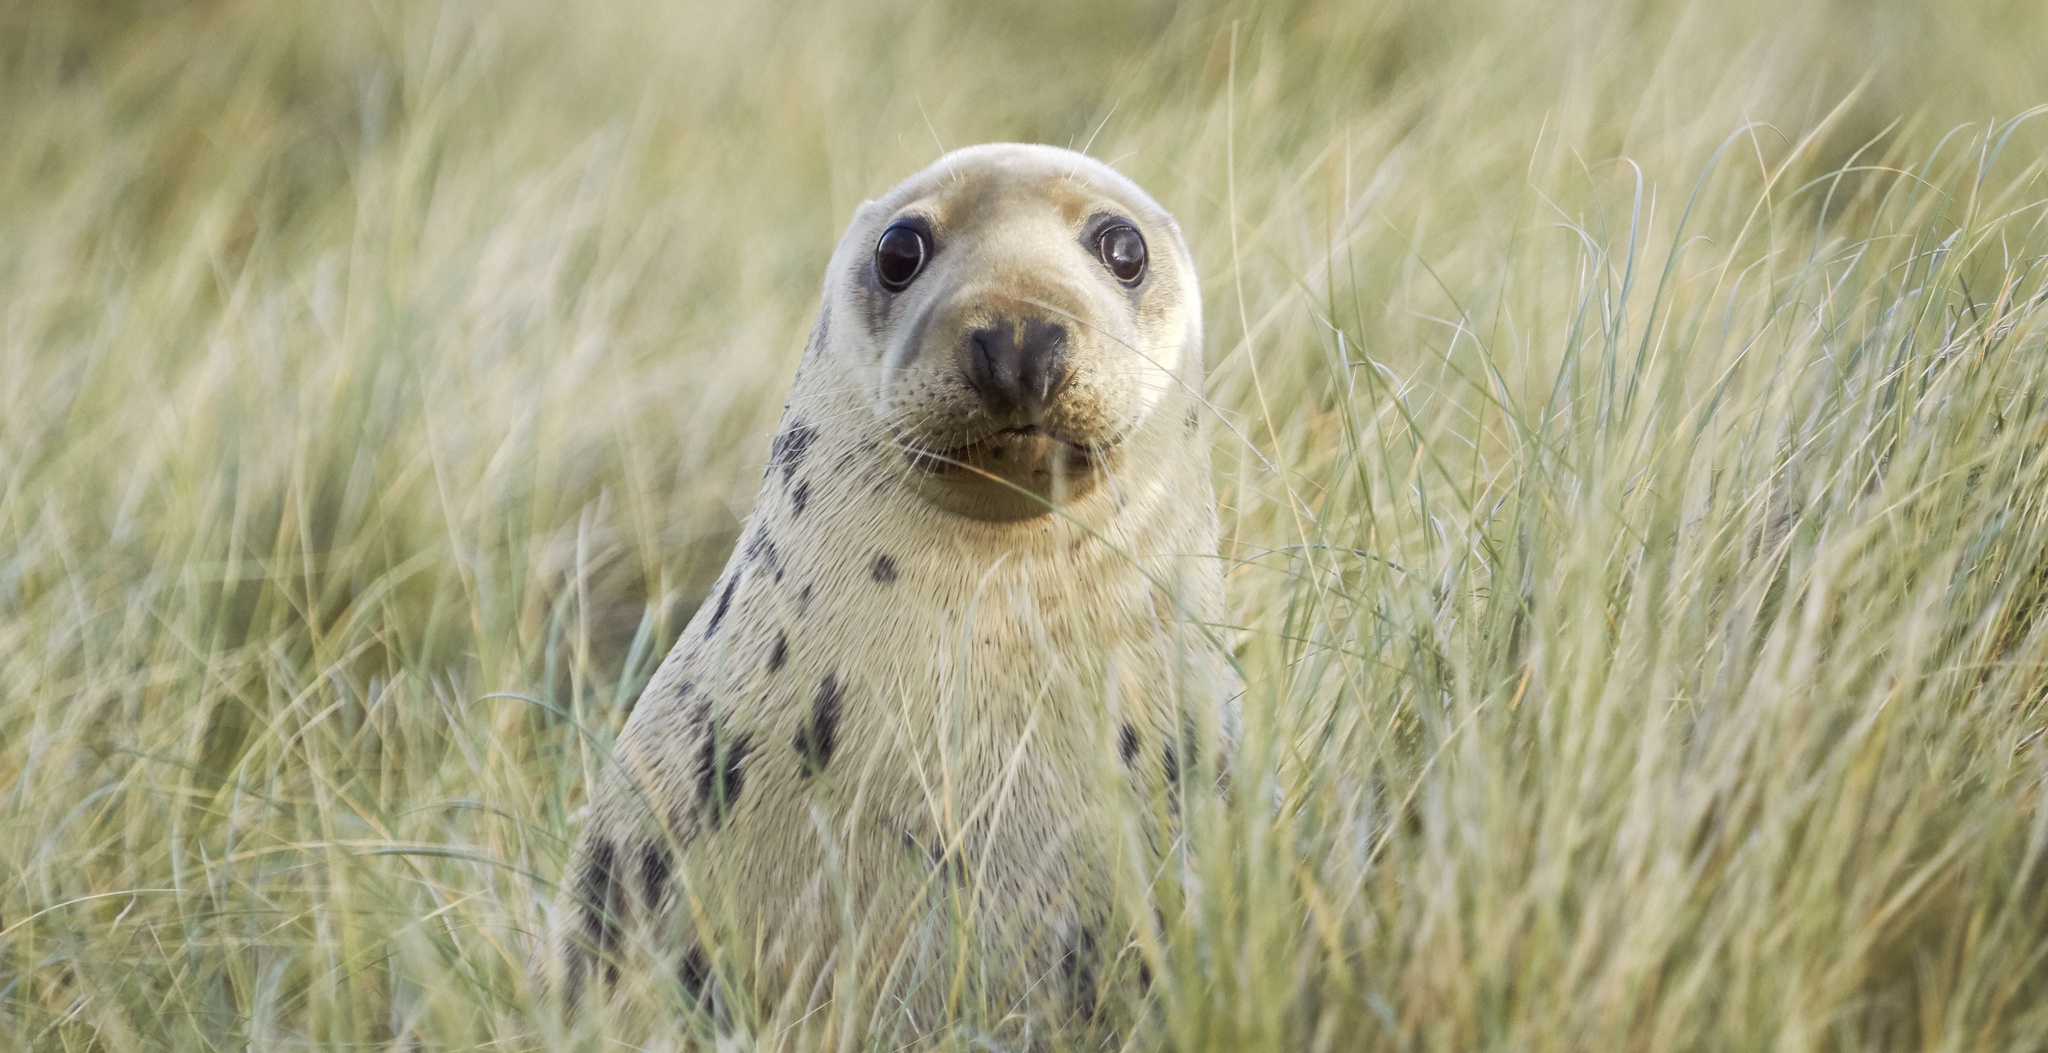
[{"x": 1634, "y": 444}]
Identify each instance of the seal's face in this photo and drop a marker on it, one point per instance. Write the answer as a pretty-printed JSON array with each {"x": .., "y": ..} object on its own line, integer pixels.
[{"x": 1024, "y": 309}]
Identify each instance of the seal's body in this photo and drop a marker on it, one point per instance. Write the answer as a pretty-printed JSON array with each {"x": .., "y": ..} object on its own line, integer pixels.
[{"x": 979, "y": 592}]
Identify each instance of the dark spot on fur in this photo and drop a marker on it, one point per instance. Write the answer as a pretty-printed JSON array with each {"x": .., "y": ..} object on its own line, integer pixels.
[
  {"x": 598, "y": 889},
  {"x": 762, "y": 548},
  {"x": 694, "y": 973},
  {"x": 732, "y": 582},
  {"x": 1194, "y": 423},
  {"x": 721, "y": 772},
  {"x": 778, "y": 656},
  {"x": 815, "y": 740},
  {"x": 952, "y": 864},
  {"x": 800, "y": 498},
  {"x": 1079, "y": 966},
  {"x": 885, "y": 570},
  {"x": 654, "y": 870},
  {"x": 1127, "y": 743},
  {"x": 572, "y": 980},
  {"x": 602, "y": 899},
  {"x": 789, "y": 448},
  {"x": 803, "y": 598}
]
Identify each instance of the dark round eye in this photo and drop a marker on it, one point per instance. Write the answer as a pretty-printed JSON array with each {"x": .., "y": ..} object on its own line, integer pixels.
[
  {"x": 1123, "y": 252},
  {"x": 899, "y": 255}
]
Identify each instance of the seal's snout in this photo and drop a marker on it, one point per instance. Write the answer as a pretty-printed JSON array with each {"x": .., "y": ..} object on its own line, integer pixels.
[
  {"x": 1021, "y": 335},
  {"x": 1017, "y": 365}
]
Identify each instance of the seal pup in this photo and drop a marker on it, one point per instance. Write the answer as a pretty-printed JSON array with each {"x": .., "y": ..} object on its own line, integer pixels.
[{"x": 979, "y": 586}]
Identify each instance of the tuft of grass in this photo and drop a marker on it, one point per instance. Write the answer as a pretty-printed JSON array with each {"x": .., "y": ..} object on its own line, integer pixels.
[{"x": 1631, "y": 419}]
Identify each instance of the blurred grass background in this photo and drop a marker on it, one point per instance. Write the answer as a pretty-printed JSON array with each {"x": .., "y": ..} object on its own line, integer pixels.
[{"x": 1631, "y": 420}]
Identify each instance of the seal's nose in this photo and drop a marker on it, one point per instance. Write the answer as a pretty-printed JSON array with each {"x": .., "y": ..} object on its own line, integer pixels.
[{"x": 1017, "y": 366}]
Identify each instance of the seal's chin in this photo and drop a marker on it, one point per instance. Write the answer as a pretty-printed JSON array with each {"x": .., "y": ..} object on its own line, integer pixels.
[{"x": 1009, "y": 475}]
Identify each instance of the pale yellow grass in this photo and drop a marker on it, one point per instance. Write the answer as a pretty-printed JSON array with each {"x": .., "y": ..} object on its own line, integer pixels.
[{"x": 1630, "y": 420}]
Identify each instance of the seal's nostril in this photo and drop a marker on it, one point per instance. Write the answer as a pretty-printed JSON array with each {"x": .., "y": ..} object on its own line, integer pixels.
[
  {"x": 1045, "y": 361},
  {"x": 992, "y": 356},
  {"x": 981, "y": 361}
]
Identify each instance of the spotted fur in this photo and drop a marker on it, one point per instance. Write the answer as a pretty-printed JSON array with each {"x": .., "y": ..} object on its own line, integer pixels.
[
  {"x": 732, "y": 581},
  {"x": 721, "y": 772},
  {"x": 847, "y": 735},
  {"x": 655, "y": 861},
  {"x": 789, "y": 448}
]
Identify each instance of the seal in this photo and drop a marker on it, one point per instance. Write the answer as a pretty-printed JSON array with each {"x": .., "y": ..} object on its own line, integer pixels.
[{"x": 978, "y": 594}]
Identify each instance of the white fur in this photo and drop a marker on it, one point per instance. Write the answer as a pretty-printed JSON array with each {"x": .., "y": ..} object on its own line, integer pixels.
[{"x": 981, "y": 694}]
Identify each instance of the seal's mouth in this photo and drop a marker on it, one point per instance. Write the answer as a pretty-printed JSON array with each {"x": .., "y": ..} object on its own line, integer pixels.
[
  {"x": 1013, "y": 473},
  {"x": 1010, "y": 451}
]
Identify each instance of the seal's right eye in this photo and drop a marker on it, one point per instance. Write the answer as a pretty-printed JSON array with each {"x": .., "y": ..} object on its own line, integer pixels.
[{"x": 899, "y": 255}]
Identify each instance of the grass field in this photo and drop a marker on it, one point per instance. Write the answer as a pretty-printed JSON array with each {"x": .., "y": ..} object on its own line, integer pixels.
[{"x": 1631, "y": 421}]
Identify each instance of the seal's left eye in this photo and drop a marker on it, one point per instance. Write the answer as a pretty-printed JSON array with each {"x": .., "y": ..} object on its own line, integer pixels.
[
  {"x": 899, "y": 255},
  {"x": 1123, "y": 251}
]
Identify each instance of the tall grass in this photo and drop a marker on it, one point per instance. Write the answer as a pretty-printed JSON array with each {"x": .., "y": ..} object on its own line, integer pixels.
[{"x": 1632, "y": 421}]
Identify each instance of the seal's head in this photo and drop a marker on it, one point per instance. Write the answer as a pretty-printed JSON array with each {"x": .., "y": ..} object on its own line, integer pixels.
[{"x": 1017, "y": 314}]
